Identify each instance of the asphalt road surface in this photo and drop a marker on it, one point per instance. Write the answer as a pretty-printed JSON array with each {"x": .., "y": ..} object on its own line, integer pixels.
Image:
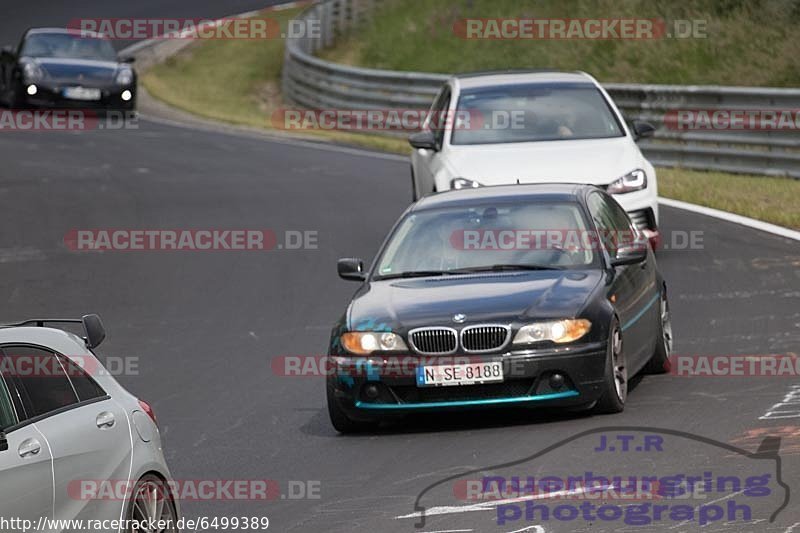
[{"x": 203, "y": 327}]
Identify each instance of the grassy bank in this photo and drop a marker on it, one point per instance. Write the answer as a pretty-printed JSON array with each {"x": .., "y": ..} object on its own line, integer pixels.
[
  {"x": 772, "y": 200},
  {"x": 239, "y": 82},
  {"x": 745, "y": 43}
]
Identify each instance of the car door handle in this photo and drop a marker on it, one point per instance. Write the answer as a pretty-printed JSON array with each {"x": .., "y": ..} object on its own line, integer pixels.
[
  {"x": 105, "y": 420},
  {"x": 29, "y": 447}
]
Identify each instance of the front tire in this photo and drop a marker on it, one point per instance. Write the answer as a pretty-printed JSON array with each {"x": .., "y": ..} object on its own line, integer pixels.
[
  {"x": 659, "y": 362},
  {"x": 151, "y": 500},
  {"x": 414, "y": 195},
  {"x": 339, "y": 419},
  {"x": 615, "y": 385}
]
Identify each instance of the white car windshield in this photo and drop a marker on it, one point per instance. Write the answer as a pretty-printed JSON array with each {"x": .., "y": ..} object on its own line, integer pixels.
[
  {"x": 506, "y": 236},
  {"x": 533, "y": 112}
]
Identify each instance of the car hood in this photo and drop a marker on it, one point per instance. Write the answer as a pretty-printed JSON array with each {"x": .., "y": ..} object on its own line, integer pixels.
[
  {"x": 593, "y": 161},
  {"x": 85, "y": 71},
  {"x": 503, "y": 297}
]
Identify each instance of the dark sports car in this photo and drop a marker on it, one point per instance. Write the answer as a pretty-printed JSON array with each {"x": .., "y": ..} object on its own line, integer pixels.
[
  {"x": 522, "y": 295},
  {"x": 60, "y": 68}
]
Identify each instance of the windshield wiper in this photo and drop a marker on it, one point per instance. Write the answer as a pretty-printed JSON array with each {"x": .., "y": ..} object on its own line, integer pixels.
[
  {"x": 415, "y": 274},
  {"x": 506, "y": 267}
]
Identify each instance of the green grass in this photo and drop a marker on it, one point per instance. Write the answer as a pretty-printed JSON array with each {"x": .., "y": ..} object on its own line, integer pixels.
[
  {"x": 238, "y": 81},
  {"x": 749, "y": 42},
  {"x": 772, "y": 200}
]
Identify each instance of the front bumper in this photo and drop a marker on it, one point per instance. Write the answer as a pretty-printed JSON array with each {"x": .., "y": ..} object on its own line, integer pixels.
[
  {"x": 527, "y": 382},
  {"x": 51, "y": 96}
]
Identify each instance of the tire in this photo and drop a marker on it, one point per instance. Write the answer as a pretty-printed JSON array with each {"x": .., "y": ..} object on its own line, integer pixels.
[
  {"x": 339, "y": 419},
  {"x": 615, "y": 384},
  {"x": 151, "y": 498},
  {"x": 659, "y": 363},
  {"x": 414, "y": 195}
]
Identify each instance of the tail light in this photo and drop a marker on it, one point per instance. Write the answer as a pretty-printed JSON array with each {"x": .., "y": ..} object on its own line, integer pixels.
[{"x": 148, "y": 409}]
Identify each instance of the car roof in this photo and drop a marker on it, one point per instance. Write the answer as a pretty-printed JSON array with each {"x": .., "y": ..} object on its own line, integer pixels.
[
  {"x": 541, "y": 192},
  {"x": 61, "y": 341},
  {"x": 84, "y": 33},
  {"x": 510, "y": 77}
]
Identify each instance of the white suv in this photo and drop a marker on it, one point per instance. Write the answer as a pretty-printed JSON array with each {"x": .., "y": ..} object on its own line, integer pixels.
[{"x": 533, "y": 127}]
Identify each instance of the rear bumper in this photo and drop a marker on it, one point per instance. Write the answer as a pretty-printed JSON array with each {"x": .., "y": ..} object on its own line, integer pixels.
[{"x": 527, "y": 383}]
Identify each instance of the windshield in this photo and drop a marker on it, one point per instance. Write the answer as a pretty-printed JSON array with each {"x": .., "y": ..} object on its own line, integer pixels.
[
  {"x": 534, "y": 112},
  {"x": 68, "y": 46},
  {"x": 517, "y": 236}
]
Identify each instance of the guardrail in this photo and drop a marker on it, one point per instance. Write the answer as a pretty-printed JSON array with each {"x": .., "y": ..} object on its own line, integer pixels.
[{"x": 311, "y": 82}]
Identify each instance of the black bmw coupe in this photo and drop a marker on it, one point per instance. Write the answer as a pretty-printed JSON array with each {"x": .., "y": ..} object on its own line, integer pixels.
[
  {"x": 61, "y": 68},
  {"x": 523, "y": 295}
]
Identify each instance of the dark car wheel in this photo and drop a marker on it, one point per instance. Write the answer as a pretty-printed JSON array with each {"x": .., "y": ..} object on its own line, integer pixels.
[
  {"x": 151, "y": 500},
  {"x": 414, "y": 195},
  {"x": 615, "y": 385},
  {"x": 339, "y": 419},
  {"x": 659, "y": 363}
]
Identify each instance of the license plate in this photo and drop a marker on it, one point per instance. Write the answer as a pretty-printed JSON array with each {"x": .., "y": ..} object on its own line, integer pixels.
[
  {"x": 460, "y": 374},
  {"x": 81, "y": 93}
]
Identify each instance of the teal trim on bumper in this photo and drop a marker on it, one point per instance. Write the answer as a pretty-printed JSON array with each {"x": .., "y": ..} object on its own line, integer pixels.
[{"x": 466, "y": 403}]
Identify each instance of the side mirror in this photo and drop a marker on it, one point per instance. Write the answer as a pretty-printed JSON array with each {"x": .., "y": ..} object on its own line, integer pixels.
[
  {"x": 424, "y": 140},
  {"x": 7, "y": 50},
  {"x": 351, "y": 269},
  {"x": 127, "y": 59},
  {"x": 643, "y": 129},
  {"x": 630, "y": 254},
  {"x": 95, "y": 332}
]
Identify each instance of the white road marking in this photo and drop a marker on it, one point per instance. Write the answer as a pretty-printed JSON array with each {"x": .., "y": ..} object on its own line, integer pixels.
[
  {"x": 731, "y": 217},
  {"x": 536, "y": 528},
  {"x": 488, "y": 506}
]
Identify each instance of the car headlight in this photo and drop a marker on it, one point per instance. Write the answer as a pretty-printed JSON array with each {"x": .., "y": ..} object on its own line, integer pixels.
[
  {"x": 366, "y": 342},
  {"x": 558, "y": 331},
  {"x": 632, "y": 181},
  {"x": 463, "y": 183},
  {"x": 32, "y": 72},
  {"x": 124, "y": 76}
]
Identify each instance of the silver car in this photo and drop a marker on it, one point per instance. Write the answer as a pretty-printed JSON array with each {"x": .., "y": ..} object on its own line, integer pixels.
[{"x": 74, "y": 444}]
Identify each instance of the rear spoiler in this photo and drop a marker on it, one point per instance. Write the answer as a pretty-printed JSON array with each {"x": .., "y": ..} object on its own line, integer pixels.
[{"x": 93, "y": 329}]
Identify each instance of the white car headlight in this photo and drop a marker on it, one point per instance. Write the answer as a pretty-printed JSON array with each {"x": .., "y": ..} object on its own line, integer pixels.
[
  {"x": 463, "y": 183},
  {"x": 366, "y": 342},
  {"x": 634, "y": 180},
  {"x": 558, "y": 331},
  {"x": 32, "y": 72},
  {"x": 124, "y": 77}
]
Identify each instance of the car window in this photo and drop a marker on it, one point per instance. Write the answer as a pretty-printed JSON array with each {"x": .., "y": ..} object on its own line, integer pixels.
[
  {"x": 612, "y": 221},
  {"x": 67, "y": 46},
  {"x": 481, "y": 236},
  {"x": 85, "y": 386},
  {"x": 439, "y": 118},
  {"x": 8, "y": 416},
  {"x": 536, "y": 112},
  {"x": 40, "y": 378}
]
